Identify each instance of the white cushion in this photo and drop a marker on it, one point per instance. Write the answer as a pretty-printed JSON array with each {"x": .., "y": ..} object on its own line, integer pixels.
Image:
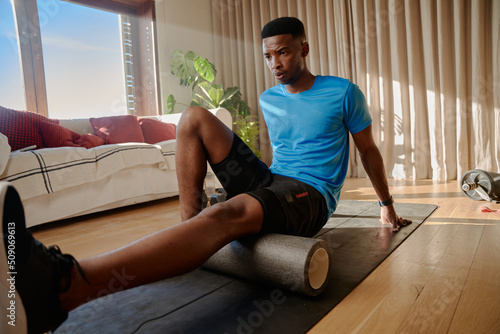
[{"x": 4, "y": 152}]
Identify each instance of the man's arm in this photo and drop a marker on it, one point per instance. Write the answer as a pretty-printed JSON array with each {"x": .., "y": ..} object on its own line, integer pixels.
[{"x": 374, "y": 167}]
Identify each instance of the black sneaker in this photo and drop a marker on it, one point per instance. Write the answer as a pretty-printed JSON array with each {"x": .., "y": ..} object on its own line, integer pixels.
[
  {"x": 37, "y": 270},
  {"x": 13, "y": 316}
]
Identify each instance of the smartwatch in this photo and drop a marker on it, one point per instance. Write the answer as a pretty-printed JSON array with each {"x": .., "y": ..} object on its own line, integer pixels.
[{"x": 385, "y": 203}]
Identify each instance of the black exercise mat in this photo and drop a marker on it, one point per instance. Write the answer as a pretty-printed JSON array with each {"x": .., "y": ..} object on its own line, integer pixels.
[{"x": 207, "y": 302}]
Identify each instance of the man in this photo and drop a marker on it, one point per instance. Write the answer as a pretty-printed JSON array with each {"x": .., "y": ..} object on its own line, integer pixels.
[{"x": 309, "y": 119}]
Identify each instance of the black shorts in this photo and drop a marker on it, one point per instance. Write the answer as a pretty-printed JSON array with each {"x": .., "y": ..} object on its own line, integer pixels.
[{"x": 290, "y": 206}]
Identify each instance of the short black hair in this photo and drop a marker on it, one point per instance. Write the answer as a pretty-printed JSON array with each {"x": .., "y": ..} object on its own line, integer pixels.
[{"x": 284, "y": 25}]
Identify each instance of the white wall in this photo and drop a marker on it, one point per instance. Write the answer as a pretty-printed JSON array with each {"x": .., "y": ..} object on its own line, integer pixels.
[{"x": 184, "y": 25}]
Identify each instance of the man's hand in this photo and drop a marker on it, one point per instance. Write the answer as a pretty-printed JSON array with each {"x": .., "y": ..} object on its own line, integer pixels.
[{"x": 388, "y": 216}]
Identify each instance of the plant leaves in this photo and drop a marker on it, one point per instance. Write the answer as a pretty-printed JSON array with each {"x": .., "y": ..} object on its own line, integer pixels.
[
  {"x": 205, "y": 68},
  {"x": 213, "y": 93},
  {"x": 229, "y": 93},
  {"x": 216, "y": 93},
  {"x": 204, "y": 102},
  {"x": 182, "y": 66},
  {"x": 171, "y": 103},
  {"x": 236, "y": 104},
  {"x": 247, "y": 128}
]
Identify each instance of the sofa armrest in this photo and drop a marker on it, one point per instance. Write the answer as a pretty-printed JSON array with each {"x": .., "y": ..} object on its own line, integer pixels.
[
  {"x": 223, "y": 114},
  {"x": 78, "y": 125},
  {"x": 4, "y": 152}
]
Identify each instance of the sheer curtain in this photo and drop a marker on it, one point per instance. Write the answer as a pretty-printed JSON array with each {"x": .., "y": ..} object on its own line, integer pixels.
[{"x": 430, "y": 71}]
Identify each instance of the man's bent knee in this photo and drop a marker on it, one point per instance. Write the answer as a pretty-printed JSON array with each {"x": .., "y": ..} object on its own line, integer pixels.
[
  {"x": 242, "y": 215},
  {"x": 215, "y": 136},
  {"x": 192, "y": 117}
]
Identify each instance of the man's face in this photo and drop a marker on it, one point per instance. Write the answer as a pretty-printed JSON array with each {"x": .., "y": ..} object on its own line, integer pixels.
[{"x": 285, "y": 57}]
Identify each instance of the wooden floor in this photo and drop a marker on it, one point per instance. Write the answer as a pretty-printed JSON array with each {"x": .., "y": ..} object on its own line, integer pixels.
[{"x": 445, "y": 278}]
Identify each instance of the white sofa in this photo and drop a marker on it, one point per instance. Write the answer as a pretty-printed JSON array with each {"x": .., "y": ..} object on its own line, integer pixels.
[{"x": 64, "y": 182}]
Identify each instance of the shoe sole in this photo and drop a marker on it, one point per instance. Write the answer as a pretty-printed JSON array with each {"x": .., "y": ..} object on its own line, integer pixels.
[{"x": 12, "y": 314}]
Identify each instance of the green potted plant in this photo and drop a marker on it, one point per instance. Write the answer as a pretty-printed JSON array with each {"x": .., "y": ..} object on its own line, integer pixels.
[{"x": 199, "y": 74}]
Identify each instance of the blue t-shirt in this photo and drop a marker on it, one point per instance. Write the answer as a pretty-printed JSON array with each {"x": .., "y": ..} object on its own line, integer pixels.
[{"x": 309, "y": 132}]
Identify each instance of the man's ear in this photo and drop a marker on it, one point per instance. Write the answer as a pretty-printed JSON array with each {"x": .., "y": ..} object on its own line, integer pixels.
[{"x": 305, "y": 49}]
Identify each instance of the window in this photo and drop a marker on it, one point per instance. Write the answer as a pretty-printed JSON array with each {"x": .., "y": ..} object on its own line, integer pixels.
[
  {"x": 83, "y": 62},
  {"x": 11, "y": 85},
  {"x": 77, "y": 61}
]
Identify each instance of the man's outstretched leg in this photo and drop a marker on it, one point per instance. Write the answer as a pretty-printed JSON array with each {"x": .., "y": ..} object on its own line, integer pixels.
[
  {"x": 47, "y": 277},
  {"x": 166, "y": 253}
]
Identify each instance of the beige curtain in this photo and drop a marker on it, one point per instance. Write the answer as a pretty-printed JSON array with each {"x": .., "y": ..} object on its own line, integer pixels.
[{"x": 430, "y": 71}]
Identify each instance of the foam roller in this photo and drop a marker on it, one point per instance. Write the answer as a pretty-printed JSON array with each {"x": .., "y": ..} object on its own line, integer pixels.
[{"x": 298, "y": 264}]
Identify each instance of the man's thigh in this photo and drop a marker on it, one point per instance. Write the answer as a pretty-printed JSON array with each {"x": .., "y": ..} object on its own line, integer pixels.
[
  {"x": 241, "y": 171},
  {"x": 291, "y": 207}
]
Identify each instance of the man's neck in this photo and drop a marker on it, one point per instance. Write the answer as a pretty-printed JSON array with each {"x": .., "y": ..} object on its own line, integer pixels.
[{"x": 305, "y": 82}]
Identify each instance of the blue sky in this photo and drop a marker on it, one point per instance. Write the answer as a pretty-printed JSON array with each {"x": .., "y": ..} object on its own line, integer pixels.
[
  {"x": 11, "y": 85},
  {"x": 82, "y": 60}
]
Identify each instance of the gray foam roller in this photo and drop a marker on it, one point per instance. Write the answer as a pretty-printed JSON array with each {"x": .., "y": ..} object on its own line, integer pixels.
[{"x": 295, "y": 263}]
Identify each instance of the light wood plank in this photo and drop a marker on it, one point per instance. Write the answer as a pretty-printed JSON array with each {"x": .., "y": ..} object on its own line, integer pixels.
[
  {"x": 98, "y": 233},
  {"x": 433, "y": 310},
  {"x": 478, "y": 310}
]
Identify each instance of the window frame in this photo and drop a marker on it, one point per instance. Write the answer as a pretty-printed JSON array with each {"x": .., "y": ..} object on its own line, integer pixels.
[{"x": 145, "y": 81}]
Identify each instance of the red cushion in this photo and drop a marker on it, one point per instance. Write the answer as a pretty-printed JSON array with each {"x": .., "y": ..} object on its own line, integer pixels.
[
  {"x": 155, "y": 131},
  {"x": 55, "y": 135},
  {"x": 88, "y": 141},
  {"x": 117, "y": 129},
  {"x": 22, "y": 128}
]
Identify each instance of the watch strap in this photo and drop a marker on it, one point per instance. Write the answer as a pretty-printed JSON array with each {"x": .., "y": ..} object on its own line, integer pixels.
[{"x": 387, "y": 202}]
